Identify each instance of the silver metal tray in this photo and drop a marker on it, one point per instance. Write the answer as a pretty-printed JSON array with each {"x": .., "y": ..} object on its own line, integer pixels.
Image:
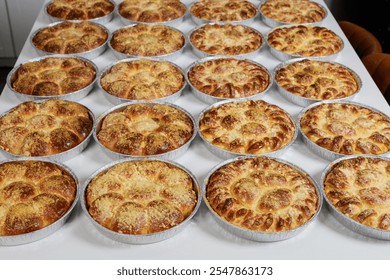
[
  {"x": 304, "y": 101},
  {"x": 257, "y": 235},
  {"x": 50, "y": 229},
  {"x": 212, "y": 99},
  {"x": 60, "y": 157},
  {"x": 72, "y": 96},
  {"x": 118, "y": 100},
  {"x": 102, "y": 20},
  {"x": 285, "y": 56},
  {"x": 202, "y": 54},
  {"x": 141, "y": 238},
  {"x": 275, "y": 23},
  {"x": 169, "y": 56},
  {"x": 225, "y": 154},
  {"x": 345, "y": 220},
  {"x": 322, "y": 152},
  {"x": 165, "y": 156},
  {"x": 87, "y": 54}
]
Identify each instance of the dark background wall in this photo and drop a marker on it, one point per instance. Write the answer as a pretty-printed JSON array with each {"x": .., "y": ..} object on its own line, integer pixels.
[{"x": 373, "y": 15}]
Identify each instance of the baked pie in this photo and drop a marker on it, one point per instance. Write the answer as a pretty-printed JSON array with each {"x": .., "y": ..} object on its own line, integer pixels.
[
  {"x": 318, "y": 80},
  {"x": 347, "y": 128},
  {"x": 147, "y": 40},
  {"x": 80, "y": 9},
  {"x": 152, "y": 10},
  {"x": 226, "y": 39},
  {"x": 293, "y": 11},
  {"x": 53, "y": 76},
  {"x": 360, "y": 189},
  {"x": 262, "y": 194},
  {"x": 142, "y": 79},
  {"x": 44, "y": 128},
  {"x": 141, "y": 197},
  {"x": 145, "y": 129},
  {"x": 301, "y": 40},
  {"x": 70, "y": 37},
  {"x": 249, "y": 127},
  {"x": 223, "y": 10},
  {"x": 33, "y": 195},
  {"x": 229, "y": 77}
]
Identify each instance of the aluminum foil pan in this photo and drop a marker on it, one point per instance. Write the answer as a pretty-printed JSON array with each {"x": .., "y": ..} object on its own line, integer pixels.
[
  {"x": 102, "y": 20},
  {"x": 141, "y": 238},
  {"x": 72, "y": 96},
  {"x": 173, "y": 23},
  {"x": 50, "y": 229},
  {"x": 256, "y": 235},
  {"x": 225, "y": 154},
  {"x": 165, "y": 156},
  {"x": 202, "y": 54},
  {"x": 345, "y": 220},
  {"x": 213, "y": 99},
  {"x": 199, "y": 21},
  {"x": 118, "y": 100},
  {"x": 87, "y": 54},
  {"x": 285, "y": 56},
  {"x": 322, "y": 152},
  {"x": 304, "y": 101},
  {"x": 169, "y": 56},
  {"x": 275, "y": 23},
  {"x": 60, "y": 157}
]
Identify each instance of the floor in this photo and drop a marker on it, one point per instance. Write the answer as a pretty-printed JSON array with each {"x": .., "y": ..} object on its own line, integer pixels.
[{"x": 3, "y": 76}]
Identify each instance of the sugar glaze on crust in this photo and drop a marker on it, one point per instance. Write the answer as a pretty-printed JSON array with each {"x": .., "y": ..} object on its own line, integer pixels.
[
  {"x": 79, "y": 9},
  {"x": 152, "y": 10},
  {"x": 293, "y": 11},
  {"x": 347, "y": 128},
  {"x": 33, "y": 195},
  {"x": 226, "y": 39},
  {"x": 360, "y": 189},
  {"x": 229, "y": 78},
  {"x": 317, "y": 79},
  {"x": 141, "y": 197},
  {"x": 301, "y": 40},
  {"x": 70, "y": 37},
  {"x": 223, "y": 10},
  {"x": 145, "y": 129},
  {"x": 262, "y": 194},
  {"x": 250, "y": 127},
  {"x": 46, "y": 128}
]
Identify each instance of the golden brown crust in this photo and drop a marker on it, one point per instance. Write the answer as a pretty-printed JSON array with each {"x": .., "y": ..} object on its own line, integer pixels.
[
  {"x": 147, "y": 40},
  {"x": 262, "y": 194},
  {"x": 46, "y": 128},
  {"x": 33, "y": 195},
  {"x": 151, "y": 10},
  {"x": 142, "y": 79},
  {"x": 250, "y": 127},
  {"x": 53, "y": 76},
  {"x": 226, "y": 39},
  {"x": 305, "y": 40},
  {"x": 79, "y": 9},
  {"x": 141, "y": 197},
  {"x": 293, "y": 11},
  {"x": 229, "y": 78},
  {"x": 317, "y": 79},
  {"x": 145, "y": 129},
  {"x": 360, "y": 189},
  {"x": 347, "y": 129},
  {"x": 68, "y": 37},
  {"x": 223, "y": 10}
]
